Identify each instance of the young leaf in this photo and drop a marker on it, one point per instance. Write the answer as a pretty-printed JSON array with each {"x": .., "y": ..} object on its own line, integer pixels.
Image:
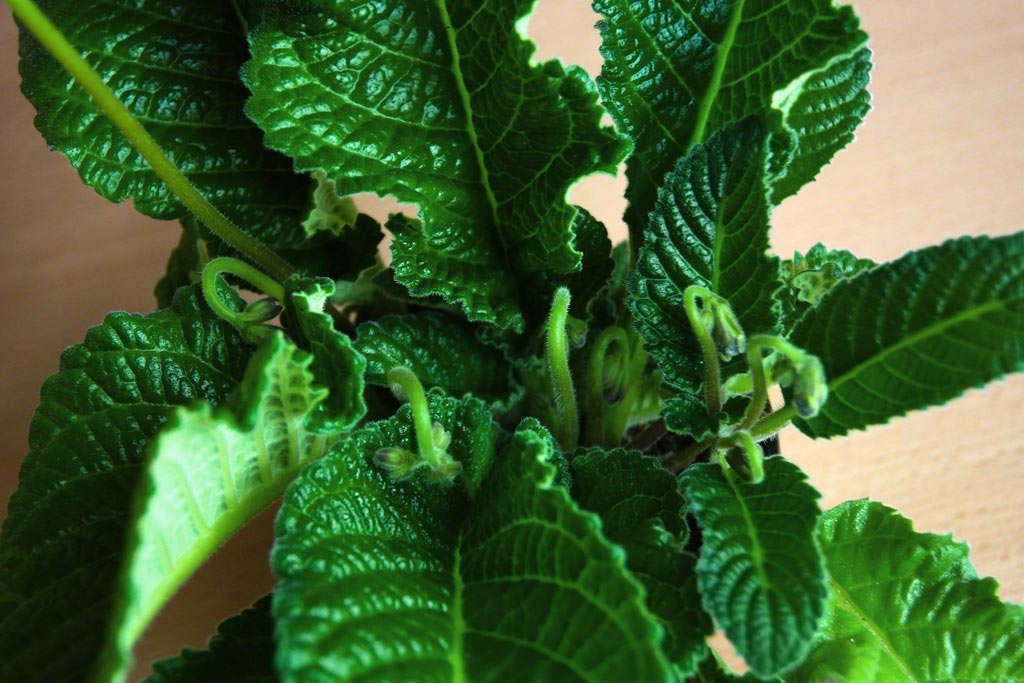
[
  {"x": 908, "y": 606},
  {"x": 806, "y": 279},
  {"x": 584, "y": 284},
  {"x": 209, "y": 473},
  {"x": 437, "y": 103},
  {"x": 64, "y": 537},
  {"x": 175, "y": 65},
  {"x": 242, "y": 651},
  {"x": 641, "y": 509},
  {"x": 676, "y": 71},
  {"x": 423, "y": 585},
  {"x": 917, "y": 332},
  {"x": 440, "y": 349},
  {"x": 710, "y": 228},
  {"x": 760, "y": 573}
]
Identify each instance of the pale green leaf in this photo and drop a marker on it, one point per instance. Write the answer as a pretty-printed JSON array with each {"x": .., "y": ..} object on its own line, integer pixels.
[
  {"x": 908, "y": 607},
  {"x": 209, "y": 473},
  {"x": 677, "y": 71},
  {"x": 807, "y": 278},
  {"x": 710, "y": 228},
  {"x": 641, "y": 509},
  {"x": 917, "y": 332},
  {"x": 760, "y": 573},
  {"x": 413, "y": 582},
  {"x": 437, "y": 103},
  {"x": 63, "y": 541}
]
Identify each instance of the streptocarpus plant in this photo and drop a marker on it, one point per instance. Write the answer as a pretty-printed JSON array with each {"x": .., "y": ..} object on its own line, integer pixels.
[{"x": 513, "y": 452}]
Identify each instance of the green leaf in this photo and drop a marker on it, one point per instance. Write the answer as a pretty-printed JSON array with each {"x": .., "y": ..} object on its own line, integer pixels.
[
  {"x": 438, "y": 104},
  {"x": 331, "y": 212},
  {"x": 413, "y": 582},
  {"x": 182, "y": 268},
  {"x": 712, "y": 670},
  {"x": 710, "y": 229},
  {"x": 760, "y": 573},
  {"x": 336, "y": 364},
  {"x": 175, "y": 65},
  {"x": 641, "y": 509},
  {"x": 440, "y": 349},
  {"x": 209, "y": 473},
  {"x": 686, "y": 414},
  {"x": 806, "y": 279},
  {"x": 242, "y": 651},
  {"x": 677, "y": 71},
  {"x": 908, "y": 607},
  {"x": 63, "y": 541},
  {"x": 584, "y": 284},
  {"x": 917, "y": 332}
]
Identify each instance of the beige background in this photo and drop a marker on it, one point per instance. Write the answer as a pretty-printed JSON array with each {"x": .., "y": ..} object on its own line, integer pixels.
[{"x": 941, "y": 154}]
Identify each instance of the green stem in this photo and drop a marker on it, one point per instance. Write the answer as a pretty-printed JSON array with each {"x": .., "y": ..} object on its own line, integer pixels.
[
  {"x": 405, "y": 382},
  {"x": 712, "y": 373},
  {"x": 596, "y": 399},
  {"x": 759, "y": 398},
  {"x": 754, "y": 456},
  {"x": 562, "y": 389},
  {"x": 678, "y": 462},
  {"x": 232, "y": 266},
  {"x": 54, "y": 41},
  {"x": 773, "y": 423}
]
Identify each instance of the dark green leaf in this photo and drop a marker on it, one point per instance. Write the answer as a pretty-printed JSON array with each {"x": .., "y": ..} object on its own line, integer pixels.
[
  {"x": 806, "y": 279},
  {"x": 423, "y": 585},
  {"x": 760, "y": 573},
  {"x": 641, "y": 509},
  {"x": 676, "y": 71},
  {"x": 440, "y": 349},
  {"x": 584, "y": 284},
  {"x": 908, "y": 607},
  {"x": 437, "y": 104},
  {"x": 241, "y": 652},
  {"x": 710, "y": 228},
  {"x": 917, "y": 332},
  {"x": 181, "y": 270},
  {"x": 64, "y": 537}
]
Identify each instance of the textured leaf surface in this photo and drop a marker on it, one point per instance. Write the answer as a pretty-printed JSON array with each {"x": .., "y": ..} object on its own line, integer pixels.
[
  {"x": 710, "y": 228},
  {"x": 437, "y": 103},
  {"x": 174, "y": 64},
  {"x": 64, "y": 537},
  {"x": 440, "y": 349},
  {"x": 182, "y": 268},
  {"x": 760, "y": 573},
  {"x": 241, "y": 652},
  {"x": 908, "y": 607},
  {"x": 917, "y": 332},
  {"x": 676, "y": 71},
  {"x": 209, "y": 473},
  {"x": 641, "y": 509},
  {"x": 336, "y": 364},
  {"x": 425, "y": 586},
  {"x": 807, "y": 278}
]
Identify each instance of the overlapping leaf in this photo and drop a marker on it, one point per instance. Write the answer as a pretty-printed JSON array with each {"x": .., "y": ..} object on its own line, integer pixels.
[
  {"x": 917, "y": 332},
  {"x": 676, "y": 71},
  {"x": 242, "y": 651},
  {"x": 908, "y": 607},
  {"x": 64, "y": 538},
  {"x": 209, "y": 473},
  {"x": 710, "y": 228},
  {"x": 807, "y": 278},
  {"x": 423, "y": 585},
  {"x": 641, "y": 509},
  {"x": 437, "y": 103},
  {"x": 760, "y": 573},
  {"x": 440, "y": 349}
]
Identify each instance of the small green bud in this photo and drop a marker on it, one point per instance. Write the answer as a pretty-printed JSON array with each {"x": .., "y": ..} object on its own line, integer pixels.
[
  {"x": 260, "y": 311},
  {"x": 440, "y": 437},
  {"x": 727, "y": 332},
  {"x": 399, "y": 463},
  {"x": 745, "y": 457},
  {"x": 576, "y": 331},
  {"x": 810, "y": 388},
  {"x": 445, "y": 470}
]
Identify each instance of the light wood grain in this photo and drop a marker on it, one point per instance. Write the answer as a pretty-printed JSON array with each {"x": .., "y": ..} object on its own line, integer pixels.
[{"x": 941, "y": 155}]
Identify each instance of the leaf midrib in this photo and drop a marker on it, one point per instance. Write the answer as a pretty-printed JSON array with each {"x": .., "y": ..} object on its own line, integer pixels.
[
  {"x": 467, "y": 107},
  {"x": 847, "y": 603},
  {"x": 717, "y": 74}
]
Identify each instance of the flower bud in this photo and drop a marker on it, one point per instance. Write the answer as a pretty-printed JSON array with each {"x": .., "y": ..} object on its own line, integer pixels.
[
  {"x": 399, "y": 463},
  {"x": 810, "y": 388},
  {"x": 260, "y": 311},
  {"x": 727, "y": 332}
]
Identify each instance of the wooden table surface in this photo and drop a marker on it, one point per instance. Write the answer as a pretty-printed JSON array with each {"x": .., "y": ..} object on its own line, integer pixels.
[{"x": 941, "y": 154}]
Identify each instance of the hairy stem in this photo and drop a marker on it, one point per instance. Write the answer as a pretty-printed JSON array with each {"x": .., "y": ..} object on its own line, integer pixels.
[
  {"x": 404, "y": 381},
  {"x": 773, "y": 423},
  {"x": 562, "y": 389},
  {"x": 712, "y": 373},
  {"x": 596, "y": 396},
  {"x": 54, "y": 41}
]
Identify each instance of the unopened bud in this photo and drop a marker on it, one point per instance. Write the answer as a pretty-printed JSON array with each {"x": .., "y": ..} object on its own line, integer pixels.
[
  {"x": 810, "y": 388},
  {"x": 727, "y": 332},
  {"x": 440, "y": 437},
  {"x": 445, "y": 470},
  {"x": 399, "y": 463},
  {"x": 260, "y": 311},
  {"x": 746, "y": 458}
]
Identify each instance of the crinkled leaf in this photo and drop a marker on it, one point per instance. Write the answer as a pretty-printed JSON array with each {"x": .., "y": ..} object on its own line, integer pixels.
[
  {"x": 917, "y": 332},
  {"x": 438, "y": 104},
  {"x": 425, "y": 585},
  {"x": 440, "y": 349},
  {"x": 182, "y": 268},
  {"x": 641, "y": 509},
  {"x": 175, "y": 65},
  {"x": 331, "y": 213},
  {"x": 686, "y": 414},
  {"x": 64, "y": 538},
  {"x": 242, "y": 651},
  {"x": 760, "y": 572},
  {"x": 710, "y": 228},
  {"x": 210, "y": 472},
  {"x": 676, "y": 71},
  {"x": 584, "y": 284},
  {"x": 806, "y": 279},
  {"x": 336, "y": 364},
  {"x": 908, "y": 607}
]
